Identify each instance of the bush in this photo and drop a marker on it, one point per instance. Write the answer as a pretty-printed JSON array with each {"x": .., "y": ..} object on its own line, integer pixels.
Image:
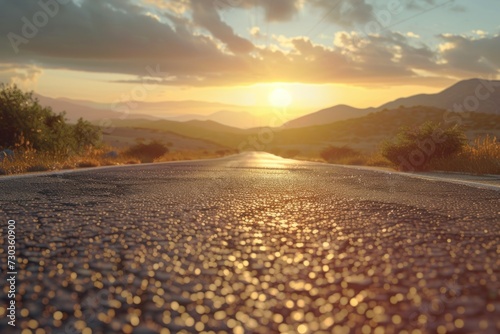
[
  {"x": 25, "y": 124},
  {"x": 147, "y": 152},
  {"x": 414, "y": 149},
  {"x": 338, "y": 153},
  {"x": 291, "y": 153}
]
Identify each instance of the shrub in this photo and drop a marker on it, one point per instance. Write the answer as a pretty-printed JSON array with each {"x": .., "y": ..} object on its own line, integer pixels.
[
  {"x": 414, "y": 149},
  {"x": 291, "y": 153},
  {"x": 147, "y": 152},
  {"x": 338, "y": 153}
]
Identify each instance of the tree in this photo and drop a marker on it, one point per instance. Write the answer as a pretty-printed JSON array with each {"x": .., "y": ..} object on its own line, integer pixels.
[
  {"x": 25, "y": 123},
  {"x": 21, "y": 118},
  {"x": 85, "y": 135}
]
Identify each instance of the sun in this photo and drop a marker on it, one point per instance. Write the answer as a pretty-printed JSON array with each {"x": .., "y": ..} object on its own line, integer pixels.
[{"x": 280, "y": 98}]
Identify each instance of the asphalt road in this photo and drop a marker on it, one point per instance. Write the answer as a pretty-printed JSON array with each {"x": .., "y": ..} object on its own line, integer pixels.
[{"x": 250, "y": 244}]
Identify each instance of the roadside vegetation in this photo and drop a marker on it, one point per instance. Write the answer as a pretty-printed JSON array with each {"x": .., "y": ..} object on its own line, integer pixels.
[
  {"x": 34, "y": 138},
  {"x": 430, "y": 147},
  {"x": 26, "y": 125},
  {"x": 414, "y": 149},
  {"x": 480, "y": 157},
  {"x": 342, "y": 155},
  {"x": 346, "y": 155},
  {"x": 147, "y": 152}
]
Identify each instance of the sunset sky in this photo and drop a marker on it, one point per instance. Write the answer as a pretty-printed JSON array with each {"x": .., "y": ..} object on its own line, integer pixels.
[{"x": 319, "y": 52}]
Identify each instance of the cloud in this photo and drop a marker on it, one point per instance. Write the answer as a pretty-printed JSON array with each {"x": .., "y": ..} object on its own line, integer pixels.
[
  {"x": 278, "y": 10},
  {"x": 346, "y": 13},
  {"x": 274, "y": 11},
  {"x": 193, "y": 46},
  {"x": 178, "y": 6},
  {"x": 479, "y": 54},
  {"x": 207, "y": 16},
  {"x": 97, "y": 37},
  {"x": 362, "y": 13},
  {"x": 25, "y": 76},
  {"x": 424, "y": 5}
]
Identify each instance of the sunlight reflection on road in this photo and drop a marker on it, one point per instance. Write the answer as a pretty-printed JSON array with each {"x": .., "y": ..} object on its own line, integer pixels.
[{"x": 264, "y": 160}]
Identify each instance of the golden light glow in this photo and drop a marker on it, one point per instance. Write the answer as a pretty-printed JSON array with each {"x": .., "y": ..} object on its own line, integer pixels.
[{"x": 280, "y": 98}]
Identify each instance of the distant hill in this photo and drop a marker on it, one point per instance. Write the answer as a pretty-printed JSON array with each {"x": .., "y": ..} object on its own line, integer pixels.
[
  {"x": 231, "y": 115},
  {"x": 204, "y": 130},
  {"x": 125, "y": 137},
  {"x": 465, "y": 93},
  {"x": 74, "y": 110},
  {"x": 370, "y": 130},
  {"x": 329, "y": 115},
  {"x": 238, "y": 119},
  {"x": 365, "y": 132}
]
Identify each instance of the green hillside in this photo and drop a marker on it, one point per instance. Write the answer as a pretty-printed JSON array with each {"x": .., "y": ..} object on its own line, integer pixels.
[
  {"x": 205, "y": 130},
  {"x": 368, "y": 131},
  {"x": 364, "y": 133}
]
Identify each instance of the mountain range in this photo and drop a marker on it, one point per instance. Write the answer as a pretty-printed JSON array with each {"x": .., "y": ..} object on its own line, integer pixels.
[
  {"x": 75, "y": 110},
  {"x": 469, "y": 95},
  {"x": 181, "y": 111}
]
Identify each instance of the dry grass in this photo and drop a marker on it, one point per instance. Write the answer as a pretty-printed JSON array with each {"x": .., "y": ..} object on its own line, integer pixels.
[
  {"x": 29, "y": 160},
  {"x": 483, "y": 157}
]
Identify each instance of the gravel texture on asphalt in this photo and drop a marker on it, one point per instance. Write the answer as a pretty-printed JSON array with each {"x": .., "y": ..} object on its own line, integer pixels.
[{"x": 250, "y": 244}]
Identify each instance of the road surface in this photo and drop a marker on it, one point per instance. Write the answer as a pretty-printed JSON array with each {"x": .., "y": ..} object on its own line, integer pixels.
[{"x": 250, "y": 243}]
